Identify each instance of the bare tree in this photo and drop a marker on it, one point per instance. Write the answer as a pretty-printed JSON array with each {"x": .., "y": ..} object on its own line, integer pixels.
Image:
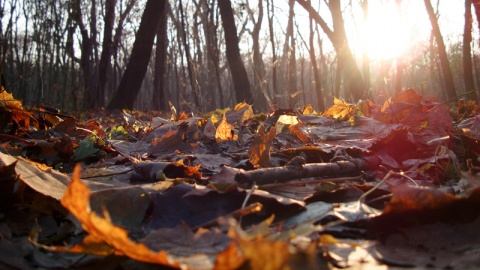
[
  {"x": 316, "y": 72},
  {"x": 260, "y": 85},
  {"x": 237, "y": 69},
  {"x": 270, "y": 13},
  {"x": 351, "y": 73},
  {"x": 211, "y": 36},
  {"x": 365, "y": 57},
  {"x": 191, "y": 69},
  {"x": 289, "y": 54},
  {"x": 399, "y": 65},
  {"x": 105, "y": 58},
  {"x": 132, "y": 79},
  {"x": 442, "y": 53},
  {"x": 467, "y": 55},
  {"x": 160, "y": 93},
  {"x": 476, "y": 7}
]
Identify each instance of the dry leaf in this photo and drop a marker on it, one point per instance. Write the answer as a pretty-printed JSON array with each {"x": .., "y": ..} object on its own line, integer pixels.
[
  {"x": 100, "y": 229},
  {"x": 259, "y": 153},
  {"x": 224, "y": 131}
]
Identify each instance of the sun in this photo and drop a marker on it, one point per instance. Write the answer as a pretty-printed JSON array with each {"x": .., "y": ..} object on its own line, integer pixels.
[
  {"x": 392, "y": 29},
  {"x": 386, "y": 33}
]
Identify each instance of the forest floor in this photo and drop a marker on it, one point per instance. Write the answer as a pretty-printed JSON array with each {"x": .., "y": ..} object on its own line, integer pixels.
[{"x": 360, "y": 186}]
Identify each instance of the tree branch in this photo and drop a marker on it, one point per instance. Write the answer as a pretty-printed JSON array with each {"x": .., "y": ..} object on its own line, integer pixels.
[{"x": 292, "y": 172}]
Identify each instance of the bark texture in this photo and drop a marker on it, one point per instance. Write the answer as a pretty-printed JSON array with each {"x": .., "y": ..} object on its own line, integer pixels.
[
  {"x": 132, "y": 79},
  {"x": 241, "y": 83}
]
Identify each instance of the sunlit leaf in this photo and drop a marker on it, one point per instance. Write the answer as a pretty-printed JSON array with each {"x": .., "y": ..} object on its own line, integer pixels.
[
  {"x": 340, "y": 110},
  {"x": 224, "y": 131},
  {"x": 100, "y": 229}
]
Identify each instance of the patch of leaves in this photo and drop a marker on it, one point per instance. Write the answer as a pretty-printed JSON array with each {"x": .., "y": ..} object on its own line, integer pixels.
[{"x": 361, "y": 185}]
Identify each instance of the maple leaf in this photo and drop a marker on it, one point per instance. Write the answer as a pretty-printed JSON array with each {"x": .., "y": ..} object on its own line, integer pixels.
[
  {"x": 340, "y": 110},
  {"x": 104, "y": 237},
  {"x": 12, "y": 110}
]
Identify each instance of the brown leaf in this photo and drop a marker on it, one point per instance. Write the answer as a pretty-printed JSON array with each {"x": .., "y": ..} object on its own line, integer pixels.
[
  {"x": 47, "y": 181},
  {"x": 210, "y": 130},
  {"x": 180, "y": 170},
  {"x": 240, "y": 113},
  {"x": 172, "y": 141},
  {"x": 259, "y": 153},
  {"x": 12, "y": 110},
  {"x": 413, "y": 206},
  {"x": 100, "y": 229}
]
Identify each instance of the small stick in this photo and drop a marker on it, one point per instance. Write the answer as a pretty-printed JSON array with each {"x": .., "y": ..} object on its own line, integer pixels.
[
  {"x": 292, "y": 172},
  {"x": 315, "y": 181}
]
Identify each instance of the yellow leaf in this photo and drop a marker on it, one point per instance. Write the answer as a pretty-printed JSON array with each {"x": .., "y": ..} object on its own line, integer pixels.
[
  {"x": 6, "y": 99},
  {"x": 224, "y": 131},
  {"x": 340, "y": 110}
]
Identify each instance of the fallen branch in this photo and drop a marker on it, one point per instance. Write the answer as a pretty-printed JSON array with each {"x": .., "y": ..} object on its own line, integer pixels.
[
  {"x": 292, "y": 172},
  {"x": 314, "y": 181}
]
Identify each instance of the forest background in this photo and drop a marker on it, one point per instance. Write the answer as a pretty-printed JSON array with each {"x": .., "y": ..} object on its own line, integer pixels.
[{"x": 74, "y": 54}]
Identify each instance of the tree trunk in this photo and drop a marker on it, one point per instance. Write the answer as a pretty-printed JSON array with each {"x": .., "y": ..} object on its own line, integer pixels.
[
  {"x": 467, "y": 55},
  {"x": 476, "y": 7},
  {"x": 104, "y": 63},
  {"x": 365, "y": 57},
  {"x": 294, "y": 97},
  {"x": 86, "y": 58},
  {"x": 213, "y": 52},
  {"x": 274, "y": 53},
  {"x": 191, "y": 71},
  {"x": 351, "y": 73},
  {"x": 442, "y": 53},
  {"x": 260, "y": 86},
  {"x": 159, "y": 101},
  {"x": 316, "y": 72},
  {"x": 237, "y": 69},
  {"x": 132, "y": 79}
]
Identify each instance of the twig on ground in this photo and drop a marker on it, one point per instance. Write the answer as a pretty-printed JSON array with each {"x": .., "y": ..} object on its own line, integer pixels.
[{"x": 292, "y": 172}]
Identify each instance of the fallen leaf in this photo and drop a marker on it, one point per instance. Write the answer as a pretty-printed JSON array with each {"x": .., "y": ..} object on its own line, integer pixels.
[
  {"x": 224, "y": 131},
  {"x": 259, "y": 153},
  {"x": 100, "y": 229}
]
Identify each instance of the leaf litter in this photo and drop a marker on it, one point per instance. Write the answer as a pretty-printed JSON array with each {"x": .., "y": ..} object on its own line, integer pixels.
[{"x": 361, "y": 185}]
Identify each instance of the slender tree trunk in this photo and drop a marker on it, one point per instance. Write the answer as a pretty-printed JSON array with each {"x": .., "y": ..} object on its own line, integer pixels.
[
  {"x": 316, "y": 72},
  {"x": 237, "y": 69},
  {"x": 159, "y": 100},
  {"x": 434, "y": 67},
  {"x": 260, "y": 86},
  {"x": 132, "y": 79},
  {"x": 467, "y": 55},
  {"x": 338, "y": 77},
  {"x": 365, "y": 58},
  {"x": 476, "y": 7},
  {"x": 289, "y": 60},
  {"x": 106, "y": 55},
  {"x": 191, "y": 70},
  {"x": 442, "y": 54},
  {"x": 86, "y": 59},
  {"x": 270, "y": 11},
  {"x": 351, "y": 73},
  {"x": 214, "y": 51}
]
